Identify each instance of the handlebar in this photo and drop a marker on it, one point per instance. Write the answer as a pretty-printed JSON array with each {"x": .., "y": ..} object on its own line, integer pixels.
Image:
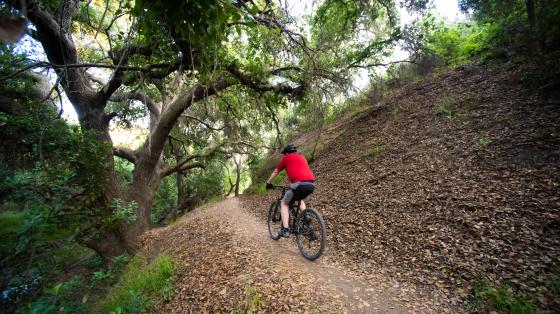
[{"x": 281, "y": 187}]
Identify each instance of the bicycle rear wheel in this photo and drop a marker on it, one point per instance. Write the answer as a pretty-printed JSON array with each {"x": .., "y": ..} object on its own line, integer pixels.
[
  {"x": 311, "y": 235},
  {"x": 274, "y": 220}
]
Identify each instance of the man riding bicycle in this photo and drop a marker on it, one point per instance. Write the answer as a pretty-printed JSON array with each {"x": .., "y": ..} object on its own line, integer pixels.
[{"x": 301, "y": 178}]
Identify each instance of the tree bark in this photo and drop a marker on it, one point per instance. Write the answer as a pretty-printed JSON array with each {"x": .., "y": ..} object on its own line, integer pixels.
[
  {"x": 181, "y": 192},
  {"x": 238, "y": 174},
  {"x": 534, "y": 38}
]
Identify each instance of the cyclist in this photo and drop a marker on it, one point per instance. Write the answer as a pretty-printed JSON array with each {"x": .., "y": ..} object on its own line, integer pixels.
[{"x": 301, "y": 178}]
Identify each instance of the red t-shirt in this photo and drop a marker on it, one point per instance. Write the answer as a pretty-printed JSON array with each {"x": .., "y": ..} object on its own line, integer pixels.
[{"x": 297, "y": 168}]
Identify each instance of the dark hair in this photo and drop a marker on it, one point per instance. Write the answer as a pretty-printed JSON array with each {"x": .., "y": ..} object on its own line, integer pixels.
[{"x": 290, "y": 148}]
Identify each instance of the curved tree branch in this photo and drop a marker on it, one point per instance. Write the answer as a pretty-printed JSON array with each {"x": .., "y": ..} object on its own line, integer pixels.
[
  {"x": 187, "y": 163},
  {"x": 125, "y": 153},
  {"x": 262, "y": 87},
  {"x": 181, "y": 103},
  {"x": 152, "y": 106},
  {"x": 203, "y": 123}
]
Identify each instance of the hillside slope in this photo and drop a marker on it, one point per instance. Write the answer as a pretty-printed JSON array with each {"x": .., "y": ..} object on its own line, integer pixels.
[{"x": 447, "y": 182}]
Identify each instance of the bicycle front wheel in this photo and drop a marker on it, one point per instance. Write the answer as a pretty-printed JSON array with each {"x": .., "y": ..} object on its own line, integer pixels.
[
  {"x": 311, "y": 234},
  {"x": 274, "y": 220}
]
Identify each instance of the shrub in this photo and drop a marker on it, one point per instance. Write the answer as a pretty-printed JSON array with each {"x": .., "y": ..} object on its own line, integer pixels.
[
  {"x": 141, "y": 286},
  {"x": 252, "y": 302},
  {"x": 500, "y": 298},
  {"x": 375, "y": 151}
]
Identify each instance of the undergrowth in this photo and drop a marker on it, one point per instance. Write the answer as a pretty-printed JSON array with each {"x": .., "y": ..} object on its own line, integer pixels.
[
  {"x": 488, "y": 297},
  {"x": 141, "y": 287},
  {"x": 450, "y": 105},
  {"x": 375, "y": 151},
  {"x": 252, "y": 302}
]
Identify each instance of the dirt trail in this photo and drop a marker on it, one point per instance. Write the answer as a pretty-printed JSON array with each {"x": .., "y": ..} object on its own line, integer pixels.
[{"x": 286, "y": 281}]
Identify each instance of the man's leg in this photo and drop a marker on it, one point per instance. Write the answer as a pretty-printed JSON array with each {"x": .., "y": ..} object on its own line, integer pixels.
[
  {"x": 285, "y": 215},
  {"x": 284, "y": 211},
  {"x": 302, "y": 205}
]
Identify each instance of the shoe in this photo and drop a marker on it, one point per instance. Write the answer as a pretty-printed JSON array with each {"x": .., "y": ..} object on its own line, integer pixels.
[{"x": 284, "y": 232}]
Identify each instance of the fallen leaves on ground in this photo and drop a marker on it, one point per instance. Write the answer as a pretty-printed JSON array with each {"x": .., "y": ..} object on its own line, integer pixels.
[{"x": 466, "y": 188}]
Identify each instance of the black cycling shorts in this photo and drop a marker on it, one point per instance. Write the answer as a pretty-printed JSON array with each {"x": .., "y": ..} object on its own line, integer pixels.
[{"x": 299, "y": 191}]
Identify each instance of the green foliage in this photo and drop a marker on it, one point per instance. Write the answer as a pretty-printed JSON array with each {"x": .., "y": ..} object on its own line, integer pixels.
[
  {"x": 55, "y": 197},
  {"x": 111, "y": 273},
  {"x": 51, "y": 174},
  {"x": 447, "y": 106},
  {"x": 553, "y": 285},
  {"x": 511, "y": 34},
  {"x": 282, "y": 176},
  {"x": 205, "y": 184},
  {"x": 457, "y": 43},
  {"x": 453, "y": 106},
  {"x": 202, "y": 25},
  {"x": 123, "y": 172},
  {"x": 445, "y": 109},
  {"x": 553, "y": 281},
  {"x": 252, "y": 303},
  {"x": 501, "y": 299},
  {"x": 122, "y": 211},
  {"x": 72, "y": 296},
  {"x": 141, "y": 287},
  {"x": 260, "y": 189},
  {"x": 165, "y": 197},
  {"x": 484, "y": 140},
  {"x": 60, "y": 298},
  {"x": 375, "y": 151},
  {"x": 10, "y": 223}
]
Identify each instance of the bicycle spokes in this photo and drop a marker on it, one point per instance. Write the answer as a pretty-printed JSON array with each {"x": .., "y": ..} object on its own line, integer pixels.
[
  {"x": 308, "y": 232},
  {"x": 311, "y": 235},
  {"x": 277, "y": 217}
]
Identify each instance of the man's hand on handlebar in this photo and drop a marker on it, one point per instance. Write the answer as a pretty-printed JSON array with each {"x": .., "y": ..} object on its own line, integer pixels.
[{"x": 269, "y": 186}]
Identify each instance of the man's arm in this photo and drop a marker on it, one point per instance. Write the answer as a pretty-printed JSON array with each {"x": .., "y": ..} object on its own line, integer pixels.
[{"x": 272, "y": 176}]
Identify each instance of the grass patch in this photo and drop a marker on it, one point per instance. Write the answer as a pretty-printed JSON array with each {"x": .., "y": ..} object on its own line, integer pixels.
[
  {"x": 553, "y": 285},
  {"x": 449, "y": 105},
  {"x": 446, "y": 107},
  {"x": 252, "y": 302},
  {"x": 10, "y": 222},
  {"x": 553, "y": 281},
  {"x": 501, "y": 299},
  {"x": 484, "y": 140},
  {"x": 396, "y": 113},
  {"x": 258, "y": 189},
  {"x": 141, "y": 287},
  {"x": 375, "y": 151},
  {"x": 358, "y": 109}
]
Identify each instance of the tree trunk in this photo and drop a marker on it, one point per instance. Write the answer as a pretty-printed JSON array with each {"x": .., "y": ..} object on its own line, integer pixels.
[
  {"x": 238, "y": 174},
  {"x": 108, "y": 245},
  {"x": 181, "y": 193},
  {"x": 534, "y": 35},
  {"x": 105, "y": 240}
]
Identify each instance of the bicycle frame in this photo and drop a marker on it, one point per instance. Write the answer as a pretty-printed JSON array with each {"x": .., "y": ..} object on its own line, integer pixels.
[
  {"x": 293, "y": 207},
  {"x": 308, "y": 227}
]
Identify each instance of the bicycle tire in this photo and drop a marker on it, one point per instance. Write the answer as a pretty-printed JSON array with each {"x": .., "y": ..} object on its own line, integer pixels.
[
  {"x": 274, "y": 220},
  {"x": 306, "y": 231}
]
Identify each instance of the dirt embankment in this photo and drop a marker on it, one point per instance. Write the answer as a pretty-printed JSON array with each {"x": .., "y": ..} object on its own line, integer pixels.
[{"x": 447, "y": 182}]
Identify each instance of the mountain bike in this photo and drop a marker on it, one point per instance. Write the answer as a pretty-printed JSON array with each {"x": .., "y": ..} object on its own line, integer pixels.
[{"x": 308, "y": 226}]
